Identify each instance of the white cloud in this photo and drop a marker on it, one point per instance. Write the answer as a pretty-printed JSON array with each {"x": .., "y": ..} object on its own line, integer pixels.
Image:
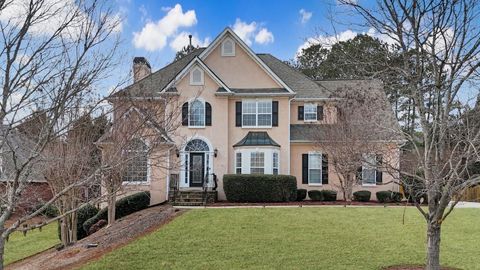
[
  {"x": 249, "y": 32},
  {"x": 305, "y": 16},
  {"x": 264, "y": 36},
  {"x": 144, "y": 13},
  {"x": 181, "y": 40},
  {"x": 154, "y": 35}
]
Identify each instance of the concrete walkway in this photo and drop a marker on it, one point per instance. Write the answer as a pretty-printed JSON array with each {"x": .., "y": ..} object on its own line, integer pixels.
[{"x": 468, "y": 205}]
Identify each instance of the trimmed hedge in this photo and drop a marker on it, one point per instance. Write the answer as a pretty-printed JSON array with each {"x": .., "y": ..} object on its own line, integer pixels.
[
  {"x": 315, "y": 195},
  {"x": 301, "y": 194},
  {"x": 260, "y": 188},
  {"x": 329, "y": 195},
  {"x": 362, "y": 196},
  {"x": 83, "y": 214},
  {"x": 389, "y": 196},
  {"x": 123, "y": 207}
]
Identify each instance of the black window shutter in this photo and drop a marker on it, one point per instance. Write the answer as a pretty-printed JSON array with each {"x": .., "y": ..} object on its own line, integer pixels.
[
  {"x": 324, "y": 169},
  {"x": 319, "y": 112},
  {"x": 208, "y": 114},
  {"x": 300, "y": 112},
  {"x": 238, "y": 114},
  {"x": 185, "y": 114},
  {"x": 304, "y": 168},
  {"x": 359, "y": 174},
  {"x": 379, "y": 175},
  {"x": 275, "y": 113}
]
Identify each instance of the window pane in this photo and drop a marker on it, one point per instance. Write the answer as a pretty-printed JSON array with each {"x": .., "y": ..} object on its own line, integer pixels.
[
  {"x": 314, "y": 176},
  {"x": 196, "y": 76},
  {"x": 315, "y": 161},
  {"x": 369, "y": 170},
  {"x": 264, "y": 107},
  {"x": 275, "y": 163},
  {"x": 264, "y": 119},
  {"x": 249, "y": 120},
  {"x": 257, "y": 161},
  {"x": 310, "y": 112},
  {"x": 315, "y": 168},
  {"x": 197, "y": 113},
  {"x": 136, "y": 168},
  {"x": 249, "y": 107},
  {"x": 238, "y": 163}
]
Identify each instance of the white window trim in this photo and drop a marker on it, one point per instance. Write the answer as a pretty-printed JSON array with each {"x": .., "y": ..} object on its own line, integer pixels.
[
  {"x": 305, "y": 109},
  {"x": 321, "y": 172},
  {"x": 256, "y": 112},
  {"x": 233, "y": 47},
  {"x": 202, "y": 76},
  {"x": 141, "y": 183},
  {"x": 236, "y": 162},
  {"x": 204, "y": 113},
  {"x": 375, "y": 177}
]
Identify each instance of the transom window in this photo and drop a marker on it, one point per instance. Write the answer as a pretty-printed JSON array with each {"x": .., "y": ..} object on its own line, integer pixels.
[
  {"x": 136, "y": 169},
  {"x": 369, "y": 171},
  {"x": 310, "y": 112},
  {"x": 257, "y": 163},
  {"x": 197, "y": 145},
  {"x": 228, "y": 47},
  {"x": 315, "y": 168},
  {"x": 196, "y": 117},
  {"x": 196, "y": 76},
  {"x": 256, "y": 113}
]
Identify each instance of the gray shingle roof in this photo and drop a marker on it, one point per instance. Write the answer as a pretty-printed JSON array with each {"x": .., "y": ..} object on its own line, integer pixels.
[
  {"x": 151, "y": 85},
  {"x": 256, "y": 138},
  {"x": 297, "y": 81}
]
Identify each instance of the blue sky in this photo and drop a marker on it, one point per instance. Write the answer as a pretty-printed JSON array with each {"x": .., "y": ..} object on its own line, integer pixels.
[{"x": 277, "y": 27}]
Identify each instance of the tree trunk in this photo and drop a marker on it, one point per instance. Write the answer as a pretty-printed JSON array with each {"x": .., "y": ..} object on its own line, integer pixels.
[
  {"x": 111, "y": 208},
  {"x": 433, "y": 246}
]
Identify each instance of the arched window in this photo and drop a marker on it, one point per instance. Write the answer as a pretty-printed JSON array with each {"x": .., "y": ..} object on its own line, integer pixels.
[
  {"x": 228, "y": 47},
  {"x": 196, "y": 76},
  {"x": 196, "y": 114},
  {"x": 136, "y": 167},
  {"x": 197, "y": 145}
]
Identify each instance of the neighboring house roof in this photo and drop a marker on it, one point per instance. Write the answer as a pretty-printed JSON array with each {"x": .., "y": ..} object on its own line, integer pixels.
[
  {"x": 297, "y": 81},
  {"x": 256, "y": 138},
  {"x": 150, "y": 86},
  {"x": 13, "y": 142}
]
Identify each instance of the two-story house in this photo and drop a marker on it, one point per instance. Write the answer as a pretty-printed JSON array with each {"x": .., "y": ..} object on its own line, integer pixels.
[{"x": 239, "y": 112}]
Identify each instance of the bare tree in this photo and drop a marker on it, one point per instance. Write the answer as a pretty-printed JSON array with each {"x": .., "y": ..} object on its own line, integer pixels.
[
  {"x": 52, "y": 55},
  {"x": 440, "y": 46}
]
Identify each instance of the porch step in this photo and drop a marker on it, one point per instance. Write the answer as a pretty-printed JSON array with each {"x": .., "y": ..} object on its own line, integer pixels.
[{"x": 191, "y": 198}]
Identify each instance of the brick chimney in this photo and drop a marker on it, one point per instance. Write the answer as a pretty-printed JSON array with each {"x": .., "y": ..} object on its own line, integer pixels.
[{"x": 141, "y": 68}]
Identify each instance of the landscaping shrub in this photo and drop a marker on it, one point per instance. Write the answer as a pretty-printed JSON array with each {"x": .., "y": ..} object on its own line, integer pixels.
[
  {"x": 414, "y": 190},
  {"x": 83, "y": 214},
  {"x": 50, "y": 211},
  {"x": 329, "y": 195},
  {"x": 389, "y": 196},
  {"x": 362, "y": 196},
  {"x": 301, "y": 194},
  {"x": 260, "y": 188},
  {"x": 123, "y": 207},
  {"x": 315, "y": 195}
]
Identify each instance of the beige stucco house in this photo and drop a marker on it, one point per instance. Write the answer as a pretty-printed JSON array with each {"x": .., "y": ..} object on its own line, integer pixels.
[{"x": 238, "y": 112}]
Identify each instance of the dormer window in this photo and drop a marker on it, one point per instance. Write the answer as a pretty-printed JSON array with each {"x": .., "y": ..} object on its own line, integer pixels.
[
  {"x": 196, "y": 76},
  {"x": 228, "y": 47}
]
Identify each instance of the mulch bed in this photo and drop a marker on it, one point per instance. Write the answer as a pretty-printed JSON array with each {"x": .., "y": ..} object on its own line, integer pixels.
[
  {"x": 414, "y": 267},
  {"x": 122, "y": 232},
  {"x": 306, "y": 203}
]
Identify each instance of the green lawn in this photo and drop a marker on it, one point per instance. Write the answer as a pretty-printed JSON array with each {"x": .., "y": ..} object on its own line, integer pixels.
[
  {"x": 297, "y": 238},
  {"x": 19, "y": 246}
]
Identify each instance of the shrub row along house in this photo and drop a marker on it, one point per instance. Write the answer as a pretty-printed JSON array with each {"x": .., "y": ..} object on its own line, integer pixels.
[{"x": 224, "y": 109}]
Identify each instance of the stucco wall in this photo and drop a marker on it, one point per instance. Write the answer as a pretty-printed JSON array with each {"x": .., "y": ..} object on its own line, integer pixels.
[{"x": 239, "y": 71}]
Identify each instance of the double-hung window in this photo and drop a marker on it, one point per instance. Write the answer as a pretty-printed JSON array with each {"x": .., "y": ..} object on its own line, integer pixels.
[
  {"x": 310, "y": 112},
  {"x": 257, "y": 162},
  {"x": 275, "y": 163},
  {"x": 238, "y": 163},
  {"x": 315, "y": 168},
  {"x": 257, "y": 113},
  {"x": 369, "y": 171}
]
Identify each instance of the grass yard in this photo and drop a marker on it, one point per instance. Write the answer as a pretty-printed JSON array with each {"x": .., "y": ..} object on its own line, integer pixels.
[
  {"x": 297, "y": 238},
  {"x": 19, "y": 246}
]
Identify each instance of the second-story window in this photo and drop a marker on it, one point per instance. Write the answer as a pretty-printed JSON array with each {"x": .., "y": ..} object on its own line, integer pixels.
[
  {"x": 256, "y": 113},
  {"x": 310, "y": 112},
  {"x": 196, "y": 116}
]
